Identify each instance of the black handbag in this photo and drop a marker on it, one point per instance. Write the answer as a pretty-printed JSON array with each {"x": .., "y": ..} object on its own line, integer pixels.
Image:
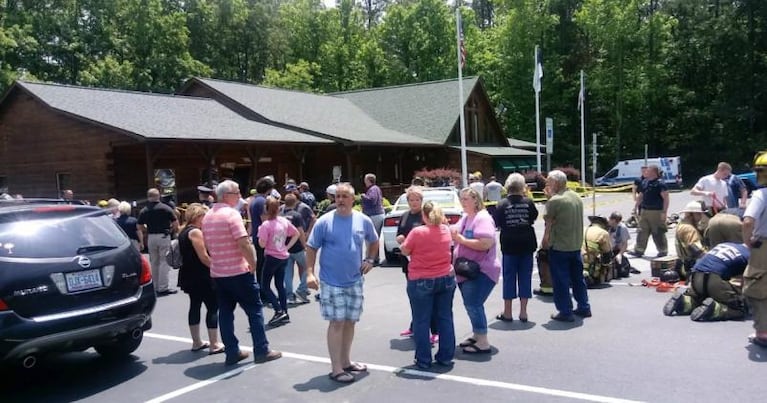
[{"x": 467, "y": 268}]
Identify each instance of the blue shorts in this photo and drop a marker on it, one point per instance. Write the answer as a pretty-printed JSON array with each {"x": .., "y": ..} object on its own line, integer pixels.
[{"x": 341, "y": 303}]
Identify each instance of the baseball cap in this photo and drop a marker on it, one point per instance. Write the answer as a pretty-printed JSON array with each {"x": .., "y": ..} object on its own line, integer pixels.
[
  {"x": 331, "y": 190},
  {"x": 290, "y": 187}
]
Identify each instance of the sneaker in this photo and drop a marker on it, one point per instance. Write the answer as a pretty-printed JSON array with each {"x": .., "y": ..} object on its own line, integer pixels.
[
  {"x": 301, "y": 298},
  {"x": 292, "y": 299},
  {"x": 562, "y": 317},
  {"x": 706, "y": 312},
  {"x": 635, "y": 253},
  {"x": 434, "y": 339},
  {"x": 675, "y": 303},
  {"x": 583, "y": 313},
  {"x": 406, "y": 333},
  {"x": 271, "y": 355},
  {"x": 317, "y": 297},
  {"x": 279, "y": 317}
]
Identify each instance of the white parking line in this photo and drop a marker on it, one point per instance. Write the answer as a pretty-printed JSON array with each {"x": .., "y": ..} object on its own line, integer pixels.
[{"x": 383, "y": 368}]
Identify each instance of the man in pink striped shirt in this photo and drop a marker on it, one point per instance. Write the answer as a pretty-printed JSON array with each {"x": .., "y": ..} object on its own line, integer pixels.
[{"x": 232, "y": 263}]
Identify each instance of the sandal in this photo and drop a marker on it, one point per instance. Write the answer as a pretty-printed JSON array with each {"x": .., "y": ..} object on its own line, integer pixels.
[
  {"x": 342, "y": 377},
  {"x": 473, "y": 349},
  {"x": 356, "y": 367},
  {"x": 217, "y": 351},
  {"x": 468, "y": 342},
  {"x": 503, "y": 318},
  {"x": 201, "y": 347},
  {"x": 523, "y": 319}
]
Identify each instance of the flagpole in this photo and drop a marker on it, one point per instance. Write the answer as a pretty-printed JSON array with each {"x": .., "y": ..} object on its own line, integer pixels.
[
  {"x": 583, "y": 131},
  {"x": 537, "y": 113},
  {"x": 464, "y": 168}
]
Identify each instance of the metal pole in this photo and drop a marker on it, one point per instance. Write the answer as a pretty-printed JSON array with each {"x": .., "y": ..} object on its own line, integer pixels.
[
  {"x": 538, "y": 129},
  {"x": 593, "y": 174},
  {"x": 464, "y": 167},
  {"x": 583, "y": 137}
]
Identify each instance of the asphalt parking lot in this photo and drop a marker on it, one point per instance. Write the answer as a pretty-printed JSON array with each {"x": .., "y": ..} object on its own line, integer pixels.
[{"x": 628, "y": 351}]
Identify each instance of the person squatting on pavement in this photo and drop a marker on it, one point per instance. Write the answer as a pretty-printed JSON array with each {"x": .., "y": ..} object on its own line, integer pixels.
[
  {"x": 652, "y": 202},
  {"x": 474, "y": 238},
  {"x": 340, "y": 236},
  {"x": 597, "y": 252},
  {"x": 159, "y": 221},
  {"x": 232, "y": 264},
  {"x": 563, "y": 237},
  {"x": 431, "y": 286},
  {"x": 619, "y": 236},
  {"x": 710, "y": 296},
  {"x": 755, "y": 235},
  {"x": 515, "y": 216},
  {"x": 689, "y": 238}
]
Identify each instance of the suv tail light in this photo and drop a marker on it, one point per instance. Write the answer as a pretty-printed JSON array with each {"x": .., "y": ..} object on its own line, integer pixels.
[
  {"x": 453, "y": 219},
  {"x": 4, "y": 306},
  {"x": 146, "y": 271},
  {"x": 391, "y": 222}
]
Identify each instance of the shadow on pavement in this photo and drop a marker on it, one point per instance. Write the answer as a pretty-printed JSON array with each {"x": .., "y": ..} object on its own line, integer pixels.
[
  {"x": 474, "y": 357},
  {"x": 511, "y": 326},
  {"x": 405, "y": 344},
  {"x": 557, "y": 325},
  {"x": 206, "y": 371},
  {"x": 68, "y": 377},
  {"x": 181, "y": 357},
  {"x": 323, "y": 383}
]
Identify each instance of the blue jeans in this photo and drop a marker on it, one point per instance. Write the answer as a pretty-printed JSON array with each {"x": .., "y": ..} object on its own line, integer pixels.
[
  {"x": 567, "y": 271},
  {"x": 433, "y": 296},
  {"x": 517, "y": 275},
  {"x": 274, "y": 268},
  {"x": 300, "y": 259},
  {"x": 243, "y": 290},
  {"x": 475, "y": 293}
]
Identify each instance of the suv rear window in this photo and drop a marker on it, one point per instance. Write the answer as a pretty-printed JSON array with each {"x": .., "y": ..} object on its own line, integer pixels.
[
  {"x": 442, "y": 199},
  {"x": 51, "y": 234}
]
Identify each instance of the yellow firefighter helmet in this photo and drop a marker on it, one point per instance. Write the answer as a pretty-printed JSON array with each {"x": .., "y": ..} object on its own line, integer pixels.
[{"x": 760, "y": 167}]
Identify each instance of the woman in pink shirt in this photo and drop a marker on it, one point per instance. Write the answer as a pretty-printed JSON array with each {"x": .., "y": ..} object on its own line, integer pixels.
[
  {"x": 276, "y": 235},
  {"x": 431, "y": 286}
]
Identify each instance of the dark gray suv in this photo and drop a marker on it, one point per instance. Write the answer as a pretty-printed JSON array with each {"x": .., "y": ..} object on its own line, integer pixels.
[{"x": 70, "y": 279}]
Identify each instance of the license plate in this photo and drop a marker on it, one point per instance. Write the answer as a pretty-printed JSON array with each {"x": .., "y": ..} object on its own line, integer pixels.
[{"x": 83, "y": 280}]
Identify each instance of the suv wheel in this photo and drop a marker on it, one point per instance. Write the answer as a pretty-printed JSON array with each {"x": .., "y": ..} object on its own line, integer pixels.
[{"x": 123, "y": 345}]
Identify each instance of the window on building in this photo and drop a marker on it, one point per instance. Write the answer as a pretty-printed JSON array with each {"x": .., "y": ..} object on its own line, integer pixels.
[{"x": 63, "y": 181}]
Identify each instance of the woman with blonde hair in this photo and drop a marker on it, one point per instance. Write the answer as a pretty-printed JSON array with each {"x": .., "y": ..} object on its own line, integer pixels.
[
  {"x": 431, "y": 286},
  {"x": 474, "y": 238},
  {"x": 276, "y": 235},
  {"x": 194, "y": 279},
  {"x": 515, "y": 216}
]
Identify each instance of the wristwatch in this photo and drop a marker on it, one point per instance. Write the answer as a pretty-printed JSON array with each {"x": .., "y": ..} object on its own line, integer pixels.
[{"x": 369, "y": 260}]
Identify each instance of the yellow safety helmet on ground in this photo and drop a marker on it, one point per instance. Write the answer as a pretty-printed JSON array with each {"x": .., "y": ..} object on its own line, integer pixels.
[{"x": 760, "y": 167}]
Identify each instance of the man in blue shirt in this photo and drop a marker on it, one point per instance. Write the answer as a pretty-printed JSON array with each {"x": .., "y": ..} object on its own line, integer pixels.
[
  {"x": 710, "y": 296},
  {"x": 341, "y": 235},
  {"x": 256, "y": 210}
]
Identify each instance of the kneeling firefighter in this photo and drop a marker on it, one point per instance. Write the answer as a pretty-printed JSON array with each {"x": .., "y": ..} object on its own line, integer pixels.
[
  {"x": 597, "y": 252},
  {"x": 710, "y": 296}
]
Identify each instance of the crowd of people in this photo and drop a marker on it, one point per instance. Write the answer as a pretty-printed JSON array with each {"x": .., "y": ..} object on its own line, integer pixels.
[{"x": 240, "y": 251}]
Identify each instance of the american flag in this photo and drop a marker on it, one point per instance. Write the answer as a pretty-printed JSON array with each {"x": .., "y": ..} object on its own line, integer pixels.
[{"x": 461, "y": 45}]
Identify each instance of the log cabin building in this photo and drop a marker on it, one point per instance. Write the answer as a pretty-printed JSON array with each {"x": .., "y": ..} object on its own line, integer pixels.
[{"x": 109, "y": 143}]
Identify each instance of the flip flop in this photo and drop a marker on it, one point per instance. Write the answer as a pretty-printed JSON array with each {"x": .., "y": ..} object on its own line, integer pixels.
[
  {"x": 503, "y": 318},
  {"x": 342, "y": 377},
  {"x": 201, "y": 347},
  {"x": 468, "y": 342},
  {"x": 356, "y": 367},
  {"x": 473, "y": 349},
  {"x": 219, "y": 351}
]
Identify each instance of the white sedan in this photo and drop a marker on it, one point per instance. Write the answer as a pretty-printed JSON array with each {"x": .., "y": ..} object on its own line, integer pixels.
[{"x": 445, "y": 197}]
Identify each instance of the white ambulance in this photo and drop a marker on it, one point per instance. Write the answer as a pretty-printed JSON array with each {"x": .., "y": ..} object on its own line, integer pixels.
[{"x": 629, "y": 170}]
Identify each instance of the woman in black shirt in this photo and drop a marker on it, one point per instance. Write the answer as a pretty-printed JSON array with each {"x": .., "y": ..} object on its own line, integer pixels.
[
  {"x": 515, "y": 216},
  {"x": 194, "y": 279}
]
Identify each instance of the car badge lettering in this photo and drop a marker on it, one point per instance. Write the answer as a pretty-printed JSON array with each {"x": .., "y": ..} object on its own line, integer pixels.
[
  {"x": 30, "y": 291},
  {"x": 84, "y": 262}
]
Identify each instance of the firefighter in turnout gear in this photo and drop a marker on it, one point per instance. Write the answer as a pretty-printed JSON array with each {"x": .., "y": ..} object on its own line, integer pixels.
[
  {"x": 710, "y": 296},
  {"x": 597, "y": 252},
  {"x": 755, "y": 236}
]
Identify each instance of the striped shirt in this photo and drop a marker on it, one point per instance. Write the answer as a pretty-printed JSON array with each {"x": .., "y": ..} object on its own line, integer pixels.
[{"x": 222, "y": 228}]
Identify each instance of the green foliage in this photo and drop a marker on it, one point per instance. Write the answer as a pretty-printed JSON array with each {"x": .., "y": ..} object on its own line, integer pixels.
[{"x": 685, "y": 77}]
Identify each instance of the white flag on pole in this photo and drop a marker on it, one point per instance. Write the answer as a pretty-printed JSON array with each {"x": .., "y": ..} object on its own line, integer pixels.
[
  {"x": 582, "y": 93},
  {"x": 538, "y": 73}
]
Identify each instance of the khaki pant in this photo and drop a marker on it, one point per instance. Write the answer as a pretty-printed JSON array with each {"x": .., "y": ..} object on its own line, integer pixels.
[
  {"x": 704, "y": 285},
  {"x": 158, "y": 245},
  {"x": 651, "y": 223},
  {"x": 755, "y": 286}
]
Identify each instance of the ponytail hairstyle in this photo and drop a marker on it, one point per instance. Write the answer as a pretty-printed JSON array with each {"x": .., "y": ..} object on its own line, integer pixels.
[{"x": 432, "y": 214}]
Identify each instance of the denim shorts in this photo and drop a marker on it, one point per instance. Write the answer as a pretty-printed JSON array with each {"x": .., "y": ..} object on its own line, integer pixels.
[{"x": 341, "y": 303}]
